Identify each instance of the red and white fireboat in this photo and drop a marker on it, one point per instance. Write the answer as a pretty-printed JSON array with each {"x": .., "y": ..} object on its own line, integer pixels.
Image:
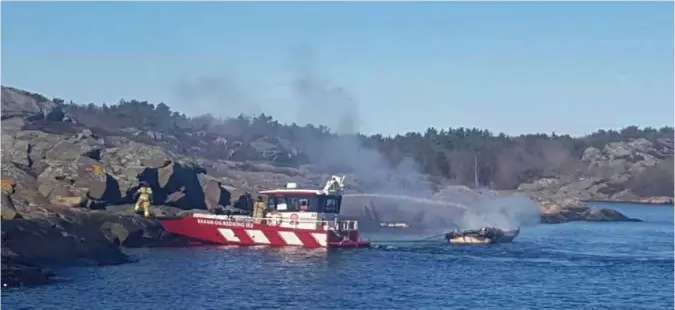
[{"x": 293, "y": 217}]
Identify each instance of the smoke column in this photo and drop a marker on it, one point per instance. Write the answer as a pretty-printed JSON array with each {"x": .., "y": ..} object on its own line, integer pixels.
[
  {"x": 401, "y": 193},
  {"x": 505, "y": 212},
  {"x": 319, "y": 101},
  {"x": 338, "y": 109}
]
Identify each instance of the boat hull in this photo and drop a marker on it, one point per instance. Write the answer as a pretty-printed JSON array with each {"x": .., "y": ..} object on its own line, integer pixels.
[
  {"x": 487, "y": 236},
  {"x": 224, "y": 231}
]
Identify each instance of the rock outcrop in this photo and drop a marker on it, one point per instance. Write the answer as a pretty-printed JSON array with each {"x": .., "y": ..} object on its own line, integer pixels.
[
  {"x": 633, "y": 171},
  {"x": 18, "y": 271},
  {"x": 567, "y": 210},
  {"x": 20, "y": 107},
  {"x": 8, "y": 210}
]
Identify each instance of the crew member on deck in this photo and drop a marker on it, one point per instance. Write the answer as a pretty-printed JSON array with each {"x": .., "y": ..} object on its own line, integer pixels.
[
  {"x": 303, "y": 205},
  {"x": 259, "y": 209}
]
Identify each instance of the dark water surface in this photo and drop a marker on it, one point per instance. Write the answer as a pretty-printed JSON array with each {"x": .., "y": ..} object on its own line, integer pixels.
[{"x": 565, "y": 266}]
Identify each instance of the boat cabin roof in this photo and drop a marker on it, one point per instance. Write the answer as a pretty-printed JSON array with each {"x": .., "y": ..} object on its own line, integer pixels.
[{"x": 294, "y": 191}]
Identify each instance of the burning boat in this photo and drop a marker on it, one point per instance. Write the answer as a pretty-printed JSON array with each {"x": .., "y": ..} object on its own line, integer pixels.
[
  {"x": 484, "y": 235},
  {"x": 293, "y": 217}
]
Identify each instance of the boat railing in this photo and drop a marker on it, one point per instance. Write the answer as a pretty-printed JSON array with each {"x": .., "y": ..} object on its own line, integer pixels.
[
  {"x": 348, "y": 225},
  {"x": 340, "y": 225}
]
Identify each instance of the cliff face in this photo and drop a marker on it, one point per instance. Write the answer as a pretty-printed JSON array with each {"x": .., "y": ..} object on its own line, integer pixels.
[{"x": 68, "y": 183}]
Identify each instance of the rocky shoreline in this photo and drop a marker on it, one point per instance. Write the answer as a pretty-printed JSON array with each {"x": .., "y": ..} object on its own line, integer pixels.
[
  {"x": 67, "y": 190},
  {"x": 649, "y": 202}
]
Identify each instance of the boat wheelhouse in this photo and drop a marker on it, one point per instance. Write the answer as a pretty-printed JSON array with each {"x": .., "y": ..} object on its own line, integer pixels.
[{"x": 291, "y": 217}]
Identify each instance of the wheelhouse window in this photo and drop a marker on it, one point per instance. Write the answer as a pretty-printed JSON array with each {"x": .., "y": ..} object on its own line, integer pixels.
[
  {"x": 271, "y": 204},
  {"x": 306, "y": 203},
  {"x": 330, "y": 204},
  {"x": 295, "y": 203}
]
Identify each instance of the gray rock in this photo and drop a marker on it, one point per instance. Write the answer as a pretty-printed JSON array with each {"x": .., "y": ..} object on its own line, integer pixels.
[
  {"x": 78, "y": 183},
  {"x": 120, "y": 234},
  {"x": 56, "y": 240},
  {"x": 8, "y": 210},
  {"x": 18, "y": 271},
  {"x": 567, "y": 210},
  {"x": 29, "y": 106},
  {"x": 216, "y": 195},
  {"x": 608, "y": 173},
  {"x": 16, "y": 151},
  {"x": 133, "y": 154},
  {"x": 592, "y": 154},
  {"x": 13, "y": 124}
]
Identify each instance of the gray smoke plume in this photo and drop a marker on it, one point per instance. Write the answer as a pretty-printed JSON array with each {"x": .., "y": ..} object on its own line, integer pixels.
[
  {"x": 400, "y": 193},
  {"x": 215, "y": 95},
  {"x": 505, "y": 212},
  {"x": 321, "y": 102}
]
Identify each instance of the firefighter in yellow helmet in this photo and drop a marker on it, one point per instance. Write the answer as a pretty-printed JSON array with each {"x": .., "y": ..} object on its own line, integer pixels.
[{"x": 144, "y": 193}]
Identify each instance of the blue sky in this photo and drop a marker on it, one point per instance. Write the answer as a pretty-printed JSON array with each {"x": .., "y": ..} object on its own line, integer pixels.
[{"x": 523, "y": 67}]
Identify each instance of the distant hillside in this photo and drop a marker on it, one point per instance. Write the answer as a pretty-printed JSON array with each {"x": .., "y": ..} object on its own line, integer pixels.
[
  {"x": 471, "y": 157},
  {"x": 466, "y": 156}
]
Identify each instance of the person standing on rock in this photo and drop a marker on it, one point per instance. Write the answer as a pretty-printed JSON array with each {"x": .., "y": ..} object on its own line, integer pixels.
[{"x": 144, "y": 193}]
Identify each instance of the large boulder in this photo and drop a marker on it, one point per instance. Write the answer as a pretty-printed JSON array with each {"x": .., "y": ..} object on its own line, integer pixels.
[
  {"x": 60, "y": 240},
  {"x": 176, "y": 177},
  {"x": 8, "y": 210},
  {"x": 122, "y": 227},
  {"x": 84, "y": 143},
  {"x": 29, "y": 147},
  {"x": 120, "y": 234},
  {"x": 605, "y": 215},
  {"x": 567, "y": 210},
  {"x": 128, "y": 159},
  {"x": 18, "y": 271},
  {"x": 21, "y": 177},
  {"x": 15, "y": 150},
  {"x": 8, "y": 186},
  {"x": 82, "y": 182},
  {"x": 129, "y": 153},
  {"x": 21, "y": 183},
  {"x": 216, "y": 195}
]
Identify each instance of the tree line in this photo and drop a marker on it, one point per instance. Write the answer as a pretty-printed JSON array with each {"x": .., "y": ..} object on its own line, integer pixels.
[{"x": 469, "y": 156}]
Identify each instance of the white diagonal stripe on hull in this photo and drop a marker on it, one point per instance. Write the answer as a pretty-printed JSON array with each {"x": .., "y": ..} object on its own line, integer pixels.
[
  {"x": 229, "y": 235},
  {"x": 257, "y": 236},
  {"x": 320, "y": 238},
  {"x": 290, "y": 238}
]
